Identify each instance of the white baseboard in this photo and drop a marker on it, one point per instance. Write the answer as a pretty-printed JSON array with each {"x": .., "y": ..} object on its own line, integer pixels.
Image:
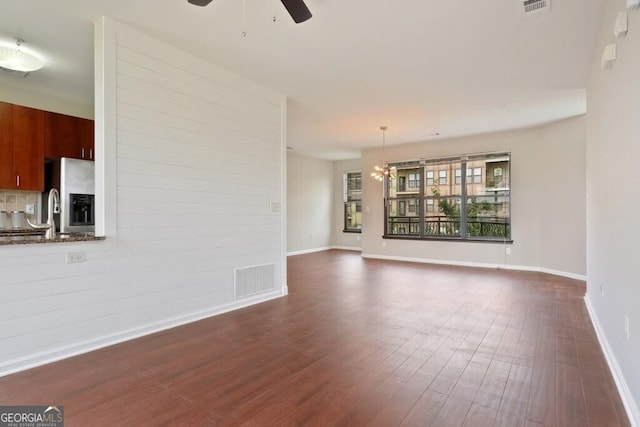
[
  {"x": 308, "y": 251},
  {"x": 564, "y": 274},
  {"x": 479, "y": 265},
  {"x": 326, "y": 248},
  {"x": 614, "y": 367},
  {"x": 347, "y": 248},
  {"x": 11, "y": 366}
]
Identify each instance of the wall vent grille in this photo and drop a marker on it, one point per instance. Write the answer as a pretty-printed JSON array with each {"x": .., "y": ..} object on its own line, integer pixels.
[
  {"x": 535, "y": 5},
  {"x": 253, "y": 280}
]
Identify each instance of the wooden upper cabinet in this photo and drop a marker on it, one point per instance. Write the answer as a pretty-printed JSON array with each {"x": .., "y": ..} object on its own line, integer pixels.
[
  {"x": 6, "y": 145},
  {"x": 67, "y": 136},
  {"x": 28, "y": 148},
  {"x": 28, "y": 135},
  {"x": 89, "y": 138},
  {"x": 21, "y": 148}
]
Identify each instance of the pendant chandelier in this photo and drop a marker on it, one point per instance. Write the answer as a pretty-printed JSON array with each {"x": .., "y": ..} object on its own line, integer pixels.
[{"x": 380, "y": 172}]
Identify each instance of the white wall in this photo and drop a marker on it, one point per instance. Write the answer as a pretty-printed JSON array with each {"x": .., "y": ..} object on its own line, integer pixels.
[
  {"x": 193, "y": 158},
  {"x": 339, "y": 238},
  {"x": 613, "y": 152},
  {"x": 309, "y": 203},
  {"x": 20, "y": 96},
  {"x": 548, "y": 201}
]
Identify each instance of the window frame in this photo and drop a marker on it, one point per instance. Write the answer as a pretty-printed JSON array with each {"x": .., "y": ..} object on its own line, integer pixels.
[
  {"x": 402, "y": 207},
  {"x": 443, "y": 177},
  {"x": 348, "y": 196},
  {"x": 430, "y": 207},
  {"x": 413, "y": 183},
  {"x": 492, "y": 224},
  {"x": 430, "y": 178}
]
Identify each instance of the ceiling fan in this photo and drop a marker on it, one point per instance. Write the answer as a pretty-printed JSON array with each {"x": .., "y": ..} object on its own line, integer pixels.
[{"x": 296, "y": 8}]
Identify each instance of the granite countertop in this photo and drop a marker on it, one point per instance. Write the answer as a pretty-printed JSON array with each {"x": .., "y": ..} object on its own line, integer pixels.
[{"x": 27, "y": 236}]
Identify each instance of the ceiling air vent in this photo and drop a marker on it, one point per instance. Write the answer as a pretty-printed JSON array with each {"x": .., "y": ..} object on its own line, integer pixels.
[{"x": 536, "y": 5}]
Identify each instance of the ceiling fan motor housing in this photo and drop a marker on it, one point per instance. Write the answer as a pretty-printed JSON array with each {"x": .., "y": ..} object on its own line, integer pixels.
[{"x": 296, "y": 8}]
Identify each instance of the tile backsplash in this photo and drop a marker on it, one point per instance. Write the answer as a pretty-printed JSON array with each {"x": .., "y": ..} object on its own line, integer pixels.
[{"x": 18, "y": 201}]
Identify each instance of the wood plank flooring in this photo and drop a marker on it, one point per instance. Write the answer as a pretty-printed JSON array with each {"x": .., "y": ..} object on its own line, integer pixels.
[{"x": 357, "y": 342}]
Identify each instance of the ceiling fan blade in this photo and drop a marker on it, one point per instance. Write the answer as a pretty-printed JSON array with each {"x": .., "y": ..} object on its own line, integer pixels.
[
  {"x": 297, "y": 9},
  {"x": 200, "y": 2}
]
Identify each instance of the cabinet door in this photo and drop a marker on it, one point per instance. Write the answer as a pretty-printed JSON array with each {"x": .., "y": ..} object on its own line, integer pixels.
[
  {"x": 88, "y": 138},
  {"x": 60, "y": 136},
  {"x": 67, "y": 136},
  {"x": 6, "y": 146},
  {"x": 28, "y": 148}
]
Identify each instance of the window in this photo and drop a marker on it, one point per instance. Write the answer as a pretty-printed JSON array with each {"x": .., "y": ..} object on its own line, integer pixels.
[
  {"x": 442, "y": 177},
  {"x": 413, "y": 181},
  {"x": 353, "y": 202},
  {"x": 477, "y": 207},
  {"x": 402, "y": 208},
  {"x": 402, "y": 183},
  {"x": 429, "y": 178},
  {"x": 497, "y": 176},
  {"x": 474, "y": 175},
  {"x": 408, "y": 181},
  {"x": 430, "y": 205}
]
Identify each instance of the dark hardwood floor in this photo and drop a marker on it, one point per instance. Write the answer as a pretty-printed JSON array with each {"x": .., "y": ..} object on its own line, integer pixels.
[{"x": 357, "y": 342}]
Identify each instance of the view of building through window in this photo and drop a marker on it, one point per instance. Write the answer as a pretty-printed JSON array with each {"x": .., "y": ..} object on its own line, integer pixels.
[
  {"x": 466, "y": 197},
  {"x": 353, "y": 202}
]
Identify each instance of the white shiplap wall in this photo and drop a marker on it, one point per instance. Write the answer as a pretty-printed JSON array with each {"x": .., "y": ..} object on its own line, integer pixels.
[{"x": 197, "y": 157}]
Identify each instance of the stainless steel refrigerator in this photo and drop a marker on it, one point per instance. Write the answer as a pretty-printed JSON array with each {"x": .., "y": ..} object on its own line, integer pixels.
[{"x": 75, "y": 181}]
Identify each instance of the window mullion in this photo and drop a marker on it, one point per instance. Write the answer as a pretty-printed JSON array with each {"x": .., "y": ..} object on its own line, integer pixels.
[
  {"x": 463, "y": 201},
  {"x": 421, "y": 202}
]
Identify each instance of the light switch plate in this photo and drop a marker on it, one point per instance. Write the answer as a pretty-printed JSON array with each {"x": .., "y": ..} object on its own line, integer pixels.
[
  {"x": 609, "y": 55},
  {"x": 620, "y": 27}
]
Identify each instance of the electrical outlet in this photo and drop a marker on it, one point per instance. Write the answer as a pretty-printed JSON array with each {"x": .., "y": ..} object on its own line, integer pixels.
[
  {"x": 508, "y": 250},
  {"x": 384, "y": 244},
  {"x": 30, "y": 209},
  {"x": 626, "y": 325},
  {"x": 73, "y": 257}
]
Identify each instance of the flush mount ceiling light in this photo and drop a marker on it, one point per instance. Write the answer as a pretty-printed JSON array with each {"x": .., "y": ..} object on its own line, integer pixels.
[
  {"x": 15, "y": 59},
  {"x": 380, "y": 172}
]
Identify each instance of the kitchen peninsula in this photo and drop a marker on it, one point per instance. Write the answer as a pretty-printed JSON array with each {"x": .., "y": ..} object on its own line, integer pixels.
[
  {"x": 32, "y": 144},
  {"x": 20, "y": 237}
]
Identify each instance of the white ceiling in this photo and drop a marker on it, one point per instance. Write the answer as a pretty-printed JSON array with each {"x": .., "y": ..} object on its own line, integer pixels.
[{"x": 421, "y": 67}]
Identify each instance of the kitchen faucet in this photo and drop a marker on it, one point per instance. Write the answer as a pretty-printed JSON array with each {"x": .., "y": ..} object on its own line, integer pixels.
[{"x": 53, "y": 205}]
